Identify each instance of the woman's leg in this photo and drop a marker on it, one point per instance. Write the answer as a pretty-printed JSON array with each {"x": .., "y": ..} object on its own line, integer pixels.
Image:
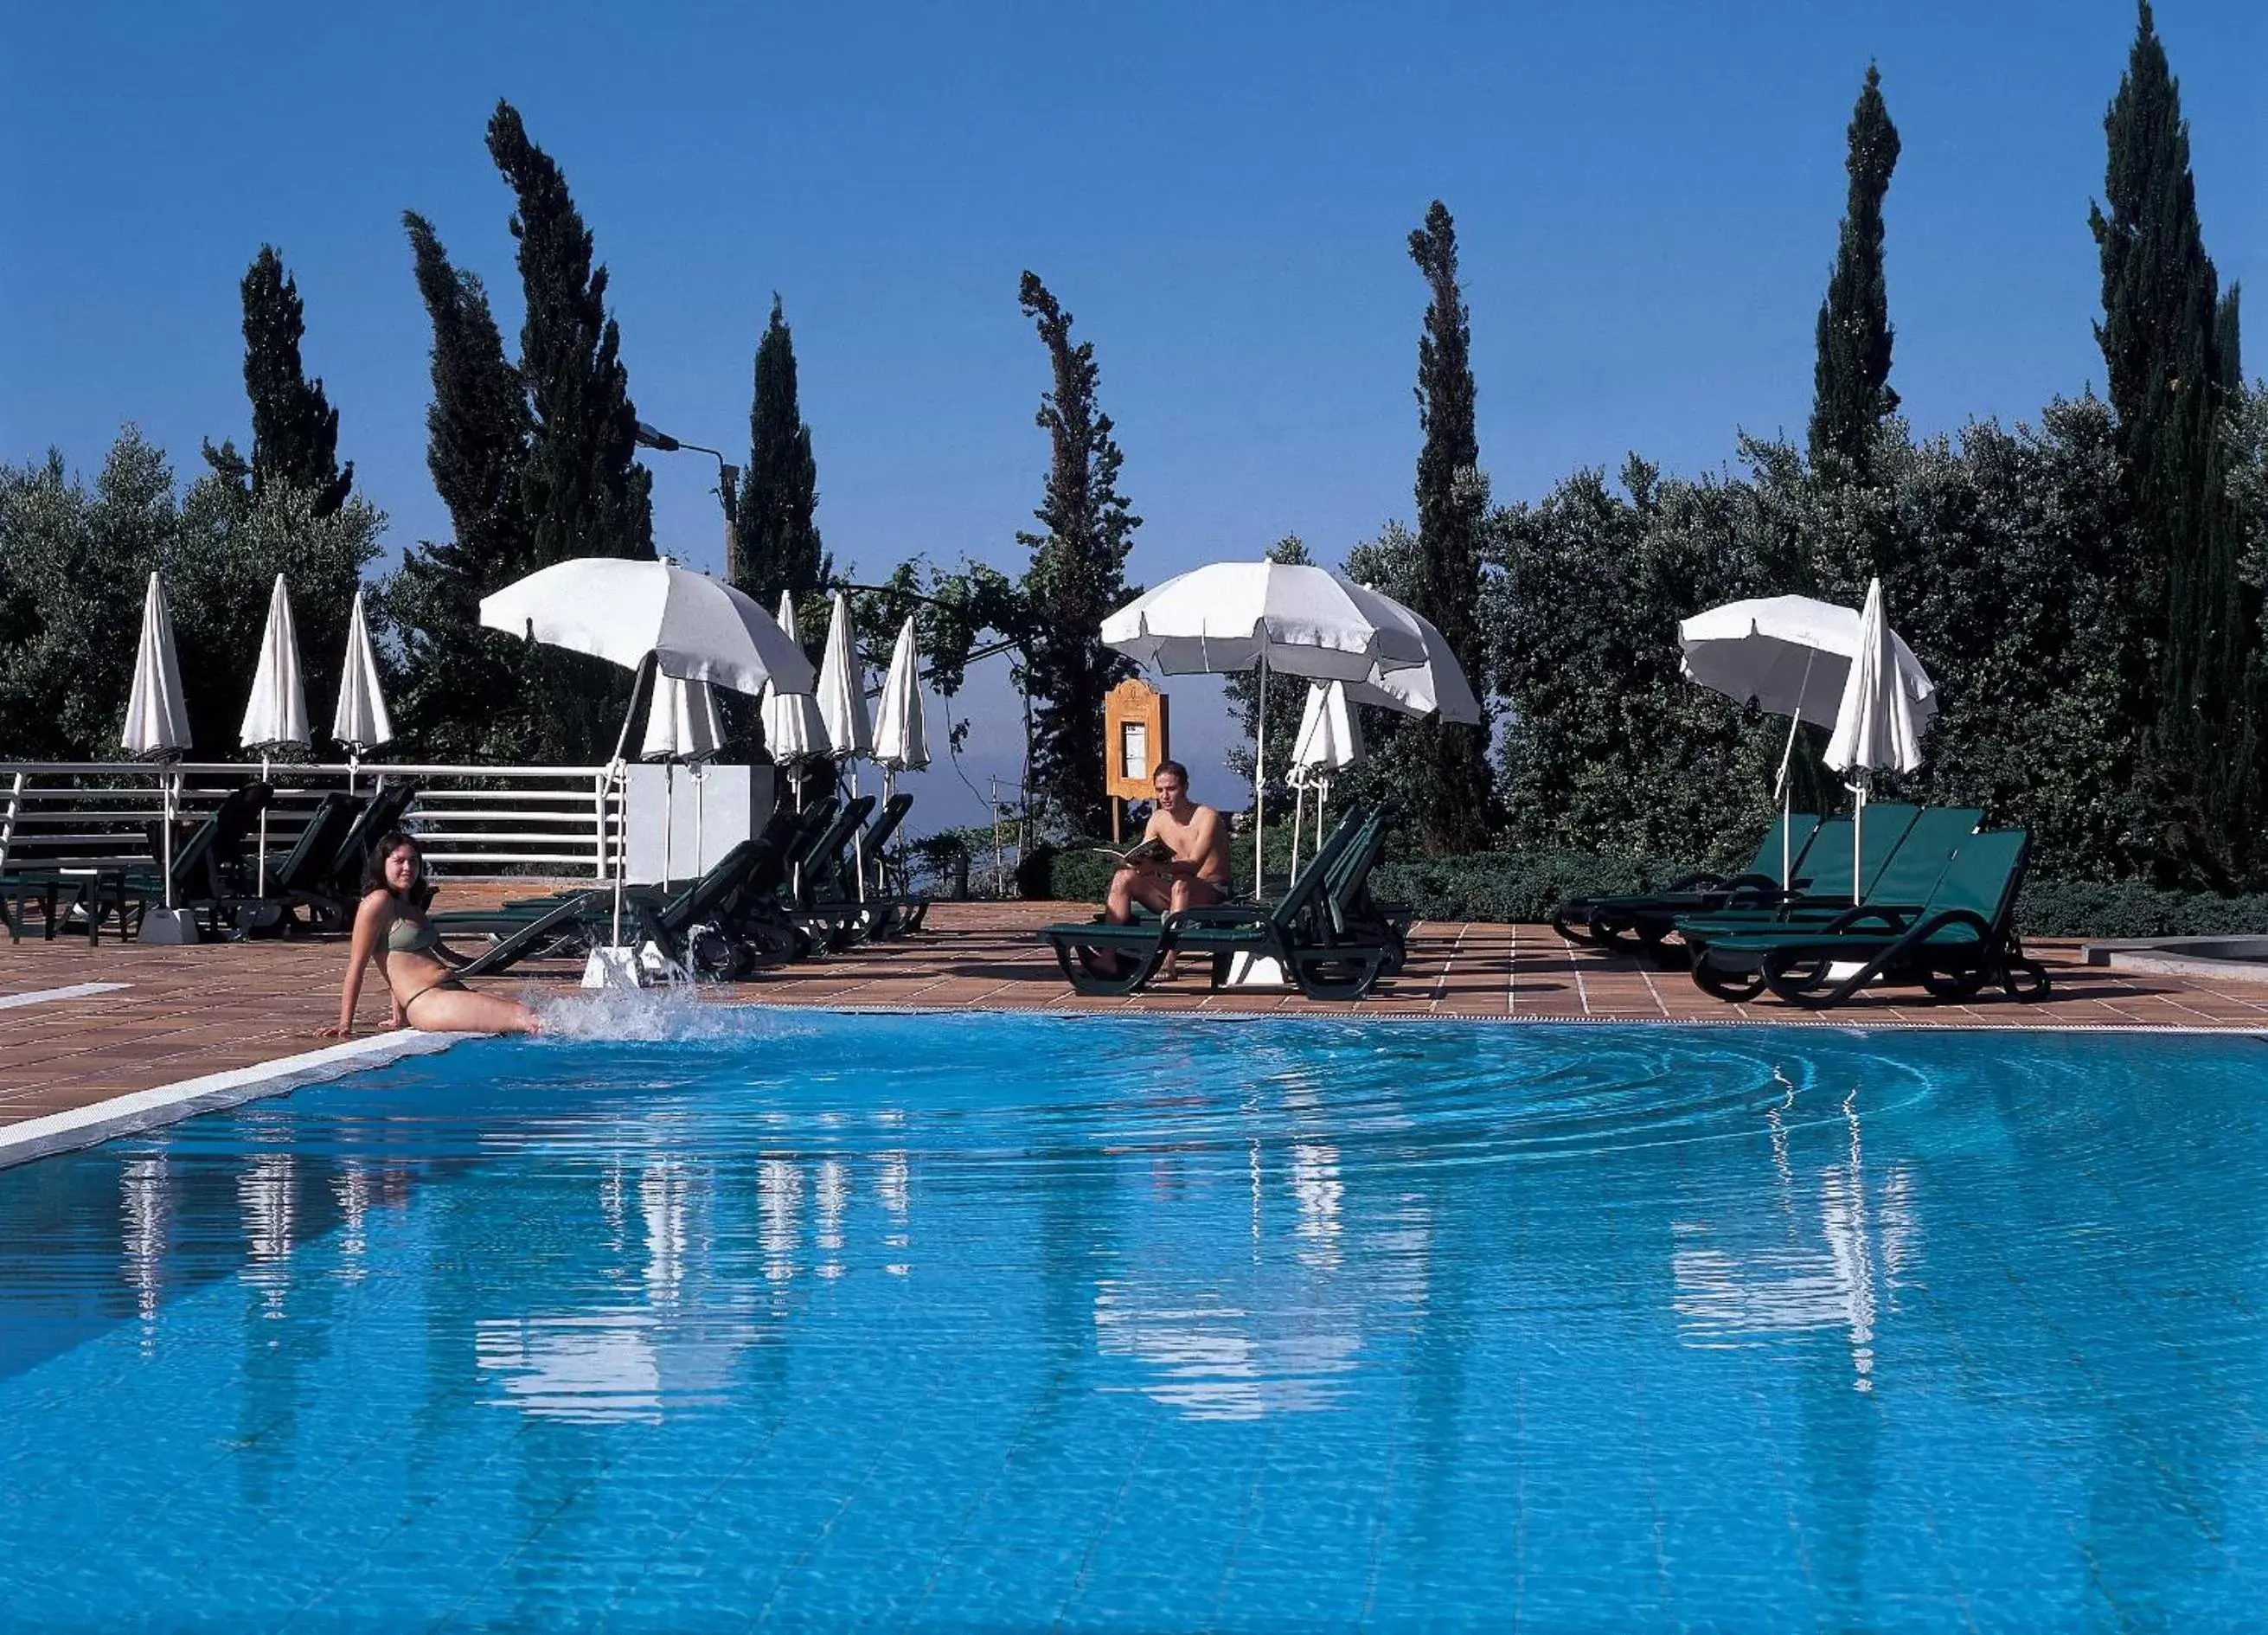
[{"x": 460, "y": 1009}]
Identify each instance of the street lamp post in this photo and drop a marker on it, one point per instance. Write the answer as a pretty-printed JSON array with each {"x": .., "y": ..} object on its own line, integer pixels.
[{"x": 728, "y": 480}]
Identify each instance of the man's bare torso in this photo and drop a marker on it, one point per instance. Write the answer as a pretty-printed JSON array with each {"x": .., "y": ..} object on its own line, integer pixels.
[{"x": 1201, "y": 838}]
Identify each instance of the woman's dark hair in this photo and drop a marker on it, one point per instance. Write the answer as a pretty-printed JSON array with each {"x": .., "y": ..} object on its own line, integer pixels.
[{"x": 374, "y": 866}]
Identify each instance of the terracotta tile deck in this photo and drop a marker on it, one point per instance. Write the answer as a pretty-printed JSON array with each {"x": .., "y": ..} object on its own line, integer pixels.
[{"x": 198, "y": 1010}]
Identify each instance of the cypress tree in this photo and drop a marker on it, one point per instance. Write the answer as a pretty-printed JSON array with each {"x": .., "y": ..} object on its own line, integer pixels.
[
  {"x": 295, "y": 430},
  {"x": 1850, "y": 390},
  {"x": 779, "y": 540},
  {"x": 1077, "y": 576},
  {"x": 1454, "y": 798},
  {"x": 458, "y": 695},
  {"x": 585, "y": 494},
  {"x": 2165, "y": 365}
]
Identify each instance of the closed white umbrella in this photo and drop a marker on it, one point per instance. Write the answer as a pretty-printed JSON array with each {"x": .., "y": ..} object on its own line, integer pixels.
[
  {"x": 360, "y": 722},
  {"x": 1233, "y": 617},
  {"x": 843, "y": 707},
  {"x": 681, "y": 724},
  {"x": 647, "y": 614},
  {"x": 842, "y": 692},
  {"x": 277, "y": 712},
  {"x": 794, "y": 732},
  {"x": 1329, "y": 741},
  {"x": 1875, "y": 725},
  {"x": 157, "y": 714},
  {"x": 1791, "y": 656},
  {"x": 901, "y": 728}
]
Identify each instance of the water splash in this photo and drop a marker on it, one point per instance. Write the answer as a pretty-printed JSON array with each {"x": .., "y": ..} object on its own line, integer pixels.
[{"x": 649, "y": 1015}]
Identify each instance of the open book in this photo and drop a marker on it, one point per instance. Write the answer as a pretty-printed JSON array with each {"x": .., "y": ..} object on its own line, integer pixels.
[{"x": 1140, "y": 853}]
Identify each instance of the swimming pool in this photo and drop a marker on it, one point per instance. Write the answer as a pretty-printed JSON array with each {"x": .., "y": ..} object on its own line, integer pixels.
[{"x": 1003, "y": 1321}]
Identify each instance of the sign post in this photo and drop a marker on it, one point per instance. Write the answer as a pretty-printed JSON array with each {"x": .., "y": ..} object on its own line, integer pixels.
[{"x": 1134, "y": 742}]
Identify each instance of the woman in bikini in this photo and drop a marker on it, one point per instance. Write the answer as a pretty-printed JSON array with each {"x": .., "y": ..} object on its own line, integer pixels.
[{"x": 391, "y": 927}]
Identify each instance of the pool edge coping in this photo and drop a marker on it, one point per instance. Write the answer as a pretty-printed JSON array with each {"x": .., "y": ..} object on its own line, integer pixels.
[{"x": 138, "y": 1110}]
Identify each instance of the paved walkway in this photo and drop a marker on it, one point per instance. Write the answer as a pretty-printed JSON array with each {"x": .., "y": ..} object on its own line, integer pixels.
[{"x": 187, "y": 1011}]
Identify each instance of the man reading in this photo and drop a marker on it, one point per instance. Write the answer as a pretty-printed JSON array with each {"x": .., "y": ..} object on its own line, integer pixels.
[{"x": 1197, "y": 873}]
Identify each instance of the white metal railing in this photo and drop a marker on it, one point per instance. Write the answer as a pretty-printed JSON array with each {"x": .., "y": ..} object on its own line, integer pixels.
[{"x": 474, "y": 821}]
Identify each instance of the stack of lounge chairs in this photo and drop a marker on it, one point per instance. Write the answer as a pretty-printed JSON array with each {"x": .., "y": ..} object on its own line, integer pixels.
[
  {"x": 1326, "y": 933},
  {"x": 1932, "y": 904},
  {"x": 793, "y": 892}
]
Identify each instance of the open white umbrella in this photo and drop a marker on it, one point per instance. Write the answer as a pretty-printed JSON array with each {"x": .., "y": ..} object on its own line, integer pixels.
[
  {"x": 1233, "y": 617},
  {"x": 158, "y": 715},
  {"x": 1791, "y": 656},
  {"x": 794, "y": 732},
  {"x": 1329, "y": 741},
  {"x": 647, "y": 614},
  {"x": 276, "y": 714},
  {"x": 1436, "y": 686},
  {"x": 1875, "y": 726},
  {"x": 360, "y": 722},
  {"x": 682, "y": 728}
]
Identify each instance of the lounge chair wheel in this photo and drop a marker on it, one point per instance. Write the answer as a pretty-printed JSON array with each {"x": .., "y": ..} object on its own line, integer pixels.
[
  {"x": 2026, "y": 980},
  {"x": 1732, "y": 987},
  {"x": 1953, "y": 986},
  {"x": 713, "y": 955},
  {"x": 1801, "y": 979}
]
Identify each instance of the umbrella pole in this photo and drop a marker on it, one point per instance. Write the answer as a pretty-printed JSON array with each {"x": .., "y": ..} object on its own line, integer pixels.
[
  {"x": 1298, "y": 805},
  {"x": 619, "y": 771},
  {"x": 1260, "y": 787},
  {"x": 1786, "y": 793},
  {"x": 858, "y": 843},
  {"x": 263, "y": 830},
  {"x": 1858, "y": 839},
  {"x": 166, "y": 797},
  {"x": 668, "y": 821}
]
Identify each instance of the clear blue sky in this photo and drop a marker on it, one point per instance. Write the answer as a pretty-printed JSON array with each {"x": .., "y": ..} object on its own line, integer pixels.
[{"x": 1646, "y": 196}]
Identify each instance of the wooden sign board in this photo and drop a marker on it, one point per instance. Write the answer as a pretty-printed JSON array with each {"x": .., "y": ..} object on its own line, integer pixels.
[{"x": 1134, "y": 740}]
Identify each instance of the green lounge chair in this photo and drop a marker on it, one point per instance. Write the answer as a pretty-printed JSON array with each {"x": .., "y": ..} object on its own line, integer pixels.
[
  {"x": 1647, "y": 917},
  {"x": 825, "y": 919},
  {"x": 878, "y": 912},
  {"x": 1905, "y": 880},
  {"x": 1325, "y": 958},
  {"x": 1961, "y": 940},
  {"x": 208, "y": 870}
]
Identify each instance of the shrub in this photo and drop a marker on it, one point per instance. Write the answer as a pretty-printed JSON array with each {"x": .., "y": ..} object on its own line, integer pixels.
[{"x": 2096, "y": 908}]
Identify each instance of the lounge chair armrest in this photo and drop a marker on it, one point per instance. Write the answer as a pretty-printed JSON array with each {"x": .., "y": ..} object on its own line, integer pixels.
[
  {"x": 1865, "y": 914},
  {"x": 1706, "y": 880},
  {"x": 1221, "y": 914}
]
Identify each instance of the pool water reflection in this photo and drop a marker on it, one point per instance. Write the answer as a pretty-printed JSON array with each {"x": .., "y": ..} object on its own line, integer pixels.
[{"x": 1004, "y": 1321}]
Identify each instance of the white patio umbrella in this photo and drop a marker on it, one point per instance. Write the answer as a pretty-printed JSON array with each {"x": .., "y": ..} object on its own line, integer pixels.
[
  {"x": 648, "y": 615},
  {"x": 901, "y": 727},
  {"x": 1437, "y": 687},
  {"x": 1875, "y": 725},
  {"x": 794, "y": 732},
  {"x": 843, "y": 707},
  {"x": 1791, "y": 656},
  {"x": 1233, "y": 617},
  {"x": 276, "y": 714},
  {"x": 682, "y": 728},
  {"x": 1329, "y": 741},
  {"x": 360, "y": 722},
  {"x": 158, "y": 715}
]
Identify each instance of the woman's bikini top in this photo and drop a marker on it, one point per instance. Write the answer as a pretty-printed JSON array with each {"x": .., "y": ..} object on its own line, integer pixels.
[{"x": 407, "y": 936}]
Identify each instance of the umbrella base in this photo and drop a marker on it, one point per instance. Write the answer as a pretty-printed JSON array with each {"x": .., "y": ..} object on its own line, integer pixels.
[
  {"x": 1256, "y": 971},
  {"x": 168, "y": 927},
  {"x": 616, "y": 967}
]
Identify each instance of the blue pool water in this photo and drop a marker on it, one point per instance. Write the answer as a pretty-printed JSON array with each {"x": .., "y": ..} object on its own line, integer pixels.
[{"x": 986, "y": 1322}]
